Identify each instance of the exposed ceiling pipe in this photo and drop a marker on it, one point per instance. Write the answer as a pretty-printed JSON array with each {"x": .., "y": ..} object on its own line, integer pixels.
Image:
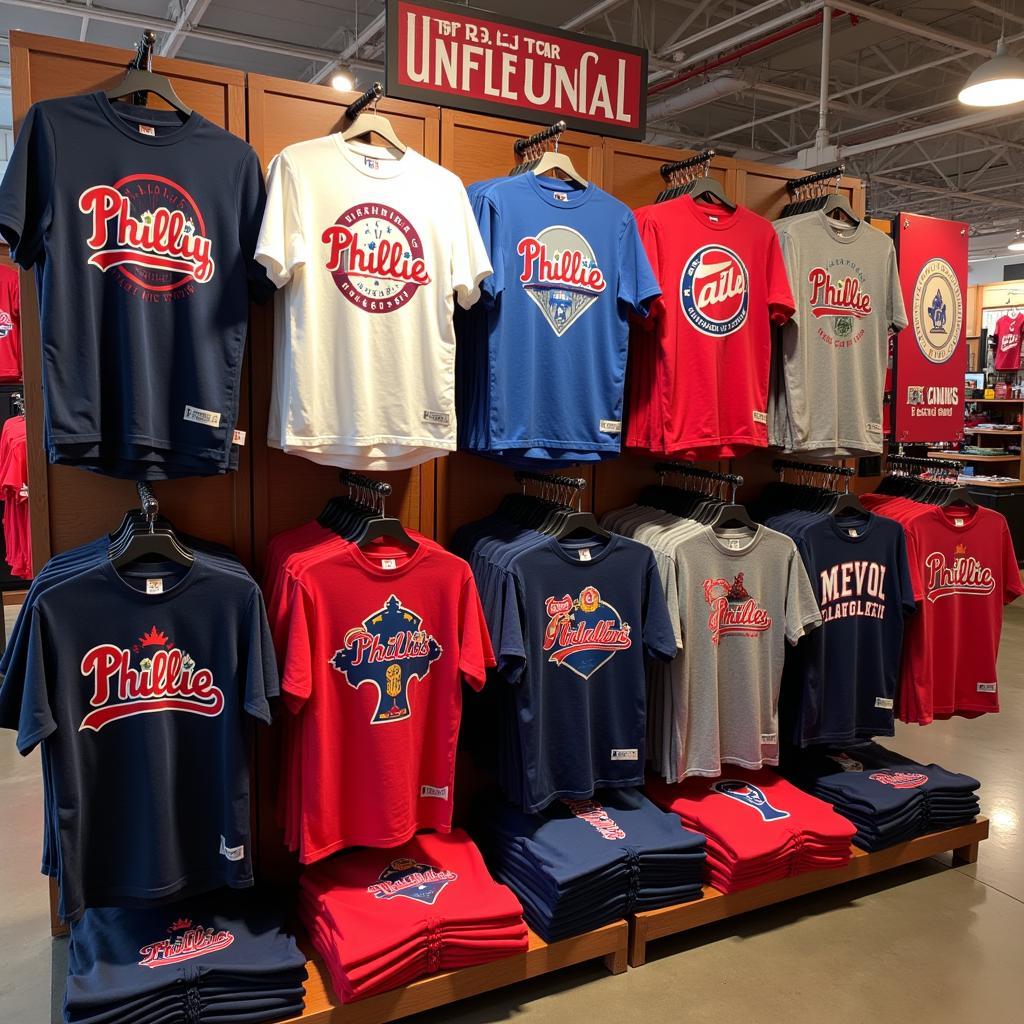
[
  {"x": 915, "y": 28},
  {"x": 191, "y": 14},
  {"x": 948, "y": 193},
  {"x": 719, "y": 27},
  {"x": 707, "y": 92},
  {"x": 353, "y": 48},
  {"x": 604, "y": 7}
]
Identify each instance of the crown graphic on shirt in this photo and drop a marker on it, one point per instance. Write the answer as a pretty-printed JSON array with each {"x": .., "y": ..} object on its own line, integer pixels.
[
  {"x": 153, "y": 638},
  {"x": 182, "y": 924},
  {"x": 960, "y": 549},
  {"x": 738, "y": 592}
]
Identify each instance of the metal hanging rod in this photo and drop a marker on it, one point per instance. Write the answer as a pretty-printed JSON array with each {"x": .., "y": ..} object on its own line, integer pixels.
[
  {"x": 378, "y": 487},
  {"x": 576, "y": 483},
  {"x": 705, "y": 156},
  {"x": 683, "y": 469},
  {"x": 374, "y": 93},
  {"x": 148, "y": 503},
  {"x": 143, "y": 59},
  {"x": 781, "y": 465},
  {"x": 909, "y": 462},
  {"x": 812, "y": 179},
  {"x": 552, "y": 132}
]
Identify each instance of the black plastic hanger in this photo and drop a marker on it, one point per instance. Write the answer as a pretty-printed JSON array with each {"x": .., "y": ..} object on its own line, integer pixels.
[
  {"x": 140, "y": 78},
  {"x": 144, "y": 539}
]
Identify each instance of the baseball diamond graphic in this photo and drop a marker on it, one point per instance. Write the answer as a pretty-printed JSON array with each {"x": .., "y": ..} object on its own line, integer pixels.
[{"x": 388, "y": 651}]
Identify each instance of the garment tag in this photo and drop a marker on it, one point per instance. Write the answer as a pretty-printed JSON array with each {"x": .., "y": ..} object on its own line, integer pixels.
[
  {"x": 986, "y": 687},
  {"x": 371, "y": 164},
  {"x": 388, "y": 563},
  {"x": 760, "y": 417},
  {"x": 852, "y": 532},
  {"x": 562, "y": 197},
  {"x": 154, "y": 586},
  {"x": 873, "y": 428},
  {"x": 231, "y": 852},
  {"x": 443, "y": 419},
  {"x": 147, "y": 129},
  {"x": 204, "y": 416},
  {"x": 238, "y": 437},
  {"x": 625, "y": 754},
  {"x": 958, "y": 522},
  {"x": 610, "y": 426},
  {"x": 885, "y": 703},
  {"x": 769, "y": 737},
  {"x": 584, "y": 554},
  {"x": 437, "y": 792},
  {"x": 713, "y": 218},
  {"x": 732, "y": 544}
]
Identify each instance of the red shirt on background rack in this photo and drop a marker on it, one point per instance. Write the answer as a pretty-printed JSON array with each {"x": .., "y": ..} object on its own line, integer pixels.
[
  {"x": 10, "y": 326},
  {"x": 698, "y": 381},
  {"x": 1008, "y": 338}
]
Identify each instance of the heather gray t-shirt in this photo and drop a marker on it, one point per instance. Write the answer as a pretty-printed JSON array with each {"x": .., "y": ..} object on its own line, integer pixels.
[
  {"x": 826, "y": 397},
  {"x": 741, "y": 597}
]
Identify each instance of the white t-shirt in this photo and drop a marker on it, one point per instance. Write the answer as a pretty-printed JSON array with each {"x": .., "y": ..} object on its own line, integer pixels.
[{"x": 370, "y": 248}]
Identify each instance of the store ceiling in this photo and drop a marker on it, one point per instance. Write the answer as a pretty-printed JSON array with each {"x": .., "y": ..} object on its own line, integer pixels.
[{"x": 898, "y": 65}]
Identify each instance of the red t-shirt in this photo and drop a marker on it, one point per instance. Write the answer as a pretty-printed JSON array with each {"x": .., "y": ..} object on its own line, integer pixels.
[
  {"x": 964, "y": 570},
  {"x": 698, "y": 381},
  {"x": 377, "y": 649},
  {"x": 10, "y": 325},
  {"x": 1008, "y": 334}
]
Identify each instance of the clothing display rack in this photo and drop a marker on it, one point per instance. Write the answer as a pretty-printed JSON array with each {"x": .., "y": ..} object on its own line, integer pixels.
[
  {"x": 539, "y": 139},
  {"x": 375, "y": 92}
]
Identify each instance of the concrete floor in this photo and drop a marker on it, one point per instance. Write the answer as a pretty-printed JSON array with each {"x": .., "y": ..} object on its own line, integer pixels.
[{"x": 923, "y": 943}]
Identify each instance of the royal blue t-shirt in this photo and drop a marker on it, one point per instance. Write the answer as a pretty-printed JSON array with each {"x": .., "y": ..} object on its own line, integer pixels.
[
  {"x": 142, "y": 229},
  {"x": 569, "y": 268},
  {"x": 581, "y": 618},
  {"x": 141, "y": 702}
]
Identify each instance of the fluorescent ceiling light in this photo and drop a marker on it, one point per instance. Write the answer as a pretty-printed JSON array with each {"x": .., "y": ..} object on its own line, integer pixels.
[{"x": 997, "y": 83}]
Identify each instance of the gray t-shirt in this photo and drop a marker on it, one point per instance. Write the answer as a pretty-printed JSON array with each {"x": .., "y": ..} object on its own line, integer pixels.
[
  {"x": 826, "y": 397},
  {"x": 741, "y": 597}
]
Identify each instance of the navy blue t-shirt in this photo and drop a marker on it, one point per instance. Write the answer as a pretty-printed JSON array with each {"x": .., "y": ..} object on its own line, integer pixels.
[
  {"x": 142, "y": 229},
  {"x": 840, "y": 681},
  {"x": 141, "y": 702},
  {"x": 581, "y": 617}
]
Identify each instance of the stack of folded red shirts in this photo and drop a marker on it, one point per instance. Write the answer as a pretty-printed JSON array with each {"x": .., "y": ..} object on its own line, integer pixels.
[
  {"x": 382, "y": 918},
  {"x": 759, "y": 827}
]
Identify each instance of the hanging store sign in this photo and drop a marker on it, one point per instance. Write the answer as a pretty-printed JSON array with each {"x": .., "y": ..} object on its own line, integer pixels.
[
  {"x": 443, "y": 54},
  {"x": 931, "y": 354}
]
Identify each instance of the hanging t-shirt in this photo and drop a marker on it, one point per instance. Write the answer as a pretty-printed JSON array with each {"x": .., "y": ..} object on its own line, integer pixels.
[
  {"x": 376, "y": 653},
  {"x": 581, "y": 617},
  {"x": 371, "y": 251},
  {"x": 10, "y": 325},
  {"x": 142, "y": 229},
  {"x": 568, "y": 270},
  {"x": 840, "y": 681},
  {"x": 1008, "y": 340},
  {"x": 834, "y": 352},
  {"x": 138, "y": 685},
  {"x": 723, "y": 284}
]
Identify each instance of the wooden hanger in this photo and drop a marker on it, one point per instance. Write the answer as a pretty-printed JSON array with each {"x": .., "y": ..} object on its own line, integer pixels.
[
  {"x": 363, "y": 124},
  {"x": 140, "y": 78}
]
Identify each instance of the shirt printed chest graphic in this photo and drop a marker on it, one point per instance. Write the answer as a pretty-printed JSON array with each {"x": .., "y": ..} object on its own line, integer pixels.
[
  {"x": 387, "y": 651},
  {"x": 838, "y": 299},
  {"x": 855, "y": 588},
  {"x": 187, "y": 941},
  {"x": 597, "y": 817},
  {"x": 151, "y": 232},
  {"x": 152, "y": 675},
  {"x": 733, "y": 611},
  {"x": 408, "y": 879},
  {"x": 561, "y": 275},
  {"x": 375, "y": 256},
  {"x": 714, "y": 291},
  {"x": 6, "y": 323},
  {"x": 966, "y": 575},
  {"x": 750, "y": 796},
  {"x": 584, "y": 633},
  {"x": 899, "y": 780}
]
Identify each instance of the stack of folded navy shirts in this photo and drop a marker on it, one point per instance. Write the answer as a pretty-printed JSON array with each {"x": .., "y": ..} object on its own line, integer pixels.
[
  {"x": 579, "y": 864},
  {"x": 890, "y": 798},
  {"x": 222, "y": 958}
]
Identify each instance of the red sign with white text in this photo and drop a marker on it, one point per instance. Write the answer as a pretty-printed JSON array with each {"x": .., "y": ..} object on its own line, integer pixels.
[
  {"x": 931, "y": 354},
  {"x": 443, "y": 54}
]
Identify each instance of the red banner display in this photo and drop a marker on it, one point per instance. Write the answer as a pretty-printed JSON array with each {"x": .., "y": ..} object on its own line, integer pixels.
[
  {"x": 931, "y": 354},
  {"x": 438, "y": 52}
]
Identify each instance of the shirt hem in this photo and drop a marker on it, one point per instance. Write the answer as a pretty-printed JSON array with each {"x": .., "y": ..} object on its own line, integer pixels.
[
  {"x": 370, "y": 840},
  {"x": 582, "y": 794}
]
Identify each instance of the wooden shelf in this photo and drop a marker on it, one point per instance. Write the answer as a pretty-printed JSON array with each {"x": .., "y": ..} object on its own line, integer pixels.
[
  {"x": 993, "y": 433},
  {"x": 717, "y": 906},
  {"x": 967, "y": 457},
  {"x": 995, "y": 485},
  {"x": 996, "y": 401},
  {"x": 609, "y": 943}
]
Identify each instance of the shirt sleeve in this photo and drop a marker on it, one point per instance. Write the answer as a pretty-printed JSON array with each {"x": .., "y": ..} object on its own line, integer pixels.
[
  {"x": 512, "y": 653},
  {"x": 489, "y": 224},
  {"x": 787, "y": 250},
  {"x": 26, "y": 195},
  {"x": 252, "y": 203},
  {"x": 638, "y": 286},
  {"x": 659, "y": 634},
  {"x": 780, "y": 295},
  {"x": 475, "y": 654},
  {"x": 906, "y": 583},
  {"x": 896, "y": 313},
  {"x": 25, "y": 695},
  {"x": 258, "y": 661},
  {"x": 647, "y": 230},
  {"x": 1012, "y": 588},
  {"x": 802, "y": 612},
  {"x": 469, "y": 261},
  {"x": 281, "y": 245},
  {"x": 297, "y": 670}
]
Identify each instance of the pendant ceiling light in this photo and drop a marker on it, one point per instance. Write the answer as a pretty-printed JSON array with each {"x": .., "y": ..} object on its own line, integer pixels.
[
  {"x": 1017, "y": 245},
  {"x": 997, "y": 83}
]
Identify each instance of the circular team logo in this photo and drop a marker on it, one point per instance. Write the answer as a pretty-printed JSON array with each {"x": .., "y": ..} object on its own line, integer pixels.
[
  {"x": 938, "y": 311},
  {"x": 375, "y": 257},
  {"x": 713, "y": 291}
]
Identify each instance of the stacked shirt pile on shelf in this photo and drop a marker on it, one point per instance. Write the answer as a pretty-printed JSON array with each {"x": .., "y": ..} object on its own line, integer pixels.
[
  {"x": 10, "y": 325},
  {"x": 143, "y": 246},
  {"x": 964, "y": 570},
  {"x": 14, "y": 495},
  {"x": 699, "y": 365},
  {"x": 890, "y": 798},
  {"x": 382, "y": 918},
  {"x": 737, "y": 598},
  {"x": 223, "y": 958},
  {"x": 759, "y": 827},
  {"x": 581, "y": 863},
  {"x": 374, "y": 644},
  {"x": 542, "y": 359},
  {"x": 828, "y": 375}
]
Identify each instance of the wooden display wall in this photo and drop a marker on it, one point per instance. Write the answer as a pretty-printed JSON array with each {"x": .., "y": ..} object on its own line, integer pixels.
[{"x": 272, "y": 491}]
